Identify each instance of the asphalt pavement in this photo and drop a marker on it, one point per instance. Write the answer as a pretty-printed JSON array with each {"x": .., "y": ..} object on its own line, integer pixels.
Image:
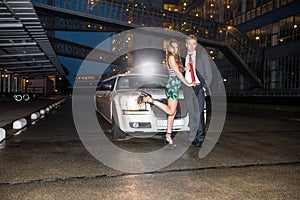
[{"x": 255, "y": 158}]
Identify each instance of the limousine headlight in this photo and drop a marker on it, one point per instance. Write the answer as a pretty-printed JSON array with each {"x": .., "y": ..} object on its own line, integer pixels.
[{"x": 132, "y": 104}]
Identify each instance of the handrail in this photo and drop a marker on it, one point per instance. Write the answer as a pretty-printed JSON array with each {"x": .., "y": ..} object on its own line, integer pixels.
[{"x": 142, "y": 15}]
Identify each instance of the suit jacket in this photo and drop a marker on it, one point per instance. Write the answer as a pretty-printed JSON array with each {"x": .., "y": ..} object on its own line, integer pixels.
[{"x": 203, "y": 69}]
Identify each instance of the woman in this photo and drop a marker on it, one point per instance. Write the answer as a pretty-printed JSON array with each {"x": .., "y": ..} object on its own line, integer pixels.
[{"x": 175, "y": 69}]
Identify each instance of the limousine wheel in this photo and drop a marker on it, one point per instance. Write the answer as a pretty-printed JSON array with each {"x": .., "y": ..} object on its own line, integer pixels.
[{"x": 117, "y": 133}]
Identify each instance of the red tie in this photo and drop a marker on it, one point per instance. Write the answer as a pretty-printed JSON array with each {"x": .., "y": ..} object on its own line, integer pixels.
[{"x": 192, "y": 68}]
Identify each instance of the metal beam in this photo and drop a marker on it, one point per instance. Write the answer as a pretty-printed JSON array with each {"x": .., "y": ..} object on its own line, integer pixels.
[
  {"x": 18, "y": 44},
  {"x": 36, "y": 71},
  {"x": 192, "y": 6},
  {"x": 24, "y": 62},
  {"x": 22, "y": 55},
  {"x": 30, "y": 67}
]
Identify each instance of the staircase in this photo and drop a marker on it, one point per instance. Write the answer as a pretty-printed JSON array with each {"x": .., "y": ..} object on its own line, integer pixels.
[{"x": 238, "y": 48}]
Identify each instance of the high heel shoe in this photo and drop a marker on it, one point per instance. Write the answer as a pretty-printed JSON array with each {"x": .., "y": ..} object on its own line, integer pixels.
[
  {"x": 144, "y": 98},
  {"x": 168, "y": 140}
]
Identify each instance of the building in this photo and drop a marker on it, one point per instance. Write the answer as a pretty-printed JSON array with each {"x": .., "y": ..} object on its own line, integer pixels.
[
  {"x": 253, "y": 42},
  {"x": 271, "y": 25}
]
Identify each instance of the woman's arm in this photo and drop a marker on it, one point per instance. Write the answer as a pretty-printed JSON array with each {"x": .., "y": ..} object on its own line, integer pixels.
[{"x": 175, "y": 67}]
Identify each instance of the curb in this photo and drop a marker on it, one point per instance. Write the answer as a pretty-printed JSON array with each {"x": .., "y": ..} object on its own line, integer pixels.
[{"x": 19, "y": 125}]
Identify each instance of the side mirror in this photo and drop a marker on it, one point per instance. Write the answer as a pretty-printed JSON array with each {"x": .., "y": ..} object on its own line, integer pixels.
[{"x": 107, "y": 86}]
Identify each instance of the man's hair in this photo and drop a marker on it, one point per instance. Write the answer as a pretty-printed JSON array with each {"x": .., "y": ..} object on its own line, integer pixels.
[{"x": 191, "y": 37}]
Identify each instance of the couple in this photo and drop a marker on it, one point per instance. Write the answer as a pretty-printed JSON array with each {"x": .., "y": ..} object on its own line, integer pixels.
[{"x": 195, "y": 78}]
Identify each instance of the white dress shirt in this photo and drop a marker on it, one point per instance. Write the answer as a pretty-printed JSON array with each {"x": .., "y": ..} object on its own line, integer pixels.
[{"x": 188, "y": 76}]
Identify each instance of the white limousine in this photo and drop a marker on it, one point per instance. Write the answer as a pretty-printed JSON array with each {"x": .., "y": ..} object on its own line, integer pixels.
[{"x": 116, "y": 101}]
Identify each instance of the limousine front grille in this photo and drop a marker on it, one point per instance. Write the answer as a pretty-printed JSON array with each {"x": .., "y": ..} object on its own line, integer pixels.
[{"x": 181, "y": 110}]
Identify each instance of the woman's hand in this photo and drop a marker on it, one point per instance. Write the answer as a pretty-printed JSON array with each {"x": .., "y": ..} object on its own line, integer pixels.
[{"x": 187, "y": 68}]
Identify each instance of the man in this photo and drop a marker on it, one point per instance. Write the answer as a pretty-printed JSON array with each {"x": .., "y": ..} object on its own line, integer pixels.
[{"x": 199, "y": 71}]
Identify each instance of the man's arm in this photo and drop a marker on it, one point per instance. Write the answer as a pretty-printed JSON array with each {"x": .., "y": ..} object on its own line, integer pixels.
[{"x": 207, "y": 69}]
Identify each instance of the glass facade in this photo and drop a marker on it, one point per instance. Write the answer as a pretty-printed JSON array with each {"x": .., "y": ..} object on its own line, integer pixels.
[{"x": 278, "y": 41}]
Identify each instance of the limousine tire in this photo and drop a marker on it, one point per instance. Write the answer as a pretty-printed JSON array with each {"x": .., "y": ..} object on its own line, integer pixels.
[{"x": 117, "y": 133}]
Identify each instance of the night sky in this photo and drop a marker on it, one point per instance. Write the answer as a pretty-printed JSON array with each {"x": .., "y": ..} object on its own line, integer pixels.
[{"x": 91, "y": 39}]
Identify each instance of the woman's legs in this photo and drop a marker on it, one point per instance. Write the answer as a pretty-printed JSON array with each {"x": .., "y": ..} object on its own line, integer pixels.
[
  {"x": 169, "y": 109},
  {"x": 173, "y": 107}
]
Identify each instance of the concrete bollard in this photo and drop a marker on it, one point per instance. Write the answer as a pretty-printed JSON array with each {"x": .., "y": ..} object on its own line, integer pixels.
[
  {"x": 2, "y": 134},
  {"x": 35, "y": 116},
  {"x": 42, "y": 112},
  {"x": 20, "y": 123}
]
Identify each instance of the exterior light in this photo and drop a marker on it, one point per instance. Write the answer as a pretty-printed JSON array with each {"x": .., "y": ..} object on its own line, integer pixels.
[
  {"x": 184, "y": 4},
  {"x": 129, "y": 22},
  {"x": 211, "y": 16},
  {"x": 197, "y": 15},
  {"x": 257, "y": 37},
  {"x": 228, "y": 6},
  {"x": 281, "y": 39},
  {"x": 229, "y": 27},
  {"x": 213, "y": 57},
  {"x": 295, "y": 26},
  {"x": 211, "y": 51},
  {"x": 89, "y": 26},
  {"x": 59, "y": 78},
  {"x": 211, "y": 5},
  {"x": 220, "y": 31}
]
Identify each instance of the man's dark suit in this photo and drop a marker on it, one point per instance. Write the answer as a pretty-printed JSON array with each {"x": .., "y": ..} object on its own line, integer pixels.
[{"x": 195, "y": 97}]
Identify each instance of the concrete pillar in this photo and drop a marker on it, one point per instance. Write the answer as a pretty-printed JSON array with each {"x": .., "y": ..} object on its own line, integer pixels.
[
  {"x": 244, "y": 3},
  {"x": 22, "y": 85},
  {"x": 45, "y": 86},
  {"x": 1, "y": 82},
  {"x": 4, "y": 78},
  {"x": 221, "y": 11},
  {"x": 275, "y": 32},
  {"x": 8, "y": 82},
  {"x": 273, "y": 72},
  {"x": 242, "y": 83}
]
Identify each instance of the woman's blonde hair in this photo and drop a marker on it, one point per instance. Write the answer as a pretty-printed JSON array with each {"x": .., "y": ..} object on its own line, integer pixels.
[{"x": 176, "y": 56}]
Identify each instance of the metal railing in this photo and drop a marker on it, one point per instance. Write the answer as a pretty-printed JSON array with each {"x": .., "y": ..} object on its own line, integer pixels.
[{"x": 142, "y": 15}]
